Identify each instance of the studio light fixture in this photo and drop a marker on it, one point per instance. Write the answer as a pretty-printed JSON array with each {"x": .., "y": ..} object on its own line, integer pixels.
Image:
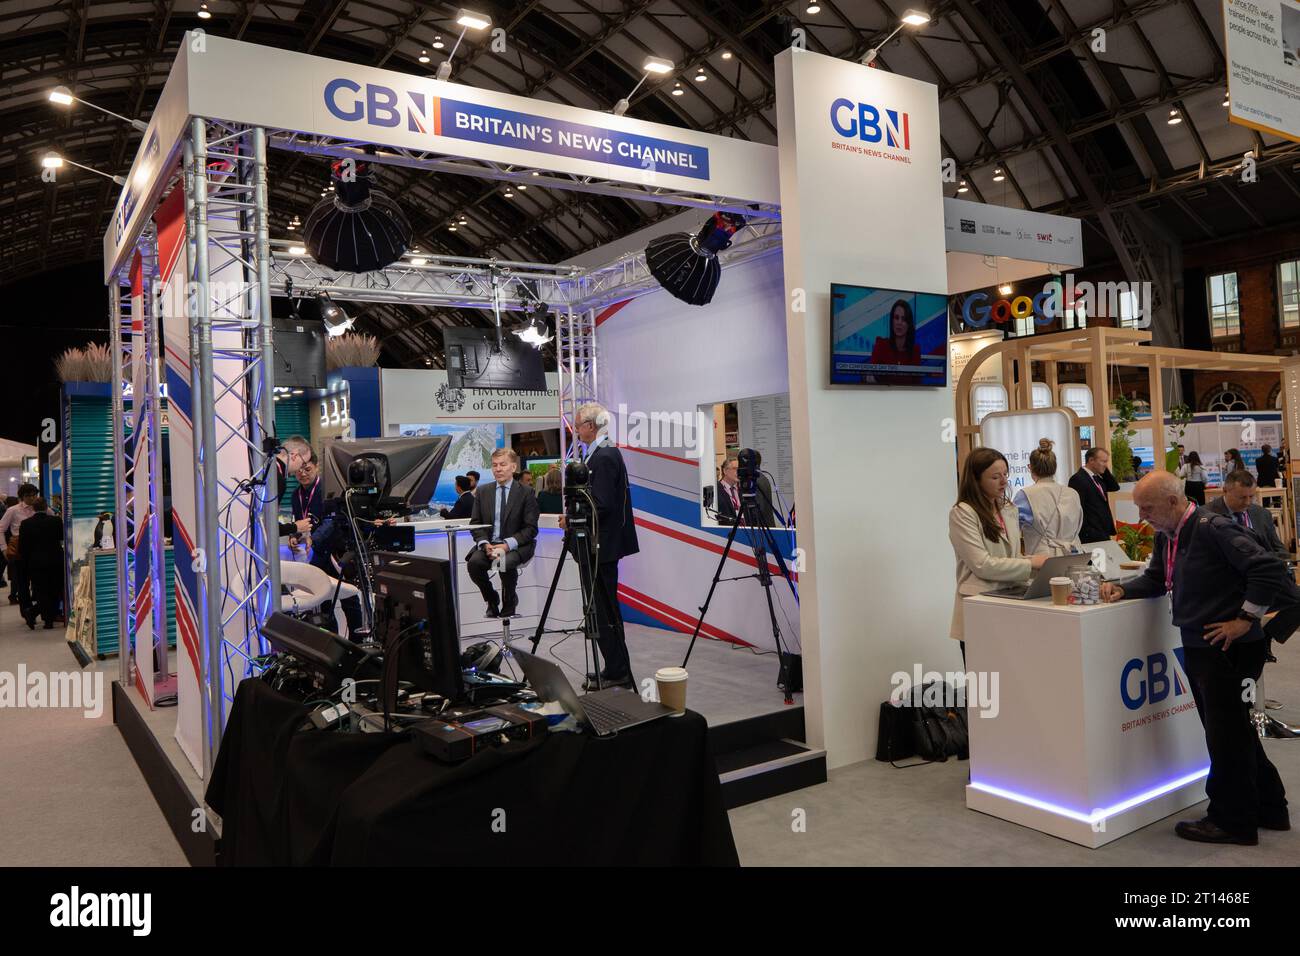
[
  {"x": 687, "y": 265},
  {"x": 437, "y": 43},
  {"x": 204, "y": 12},
  {"x": 726, "y": 54},
  {"x": 336, "y": 320},
  {"x": 357, "y": 228},
  {"x": 911, "y": 18},
  {"x": 653, "y": 66},
  {"x": 62, "y": 96},
  {"x": 297, "y": 250},
  {"x": 678, "y": 90},
  {"x": 534, "y": 331},
  {"x": 1175, "y": 117},
  {"x": 424, "y": 56},
  {"x": 701, "y": 76},
  {"x": 451, "y": 228},
  {"x": 466, "y": 20},
  {"x": 53, "y": 160},
  {"x": 813, "y": 9},
  {"x": 509, "y": 194},
  {"x": 522, "y": 186},
  {"x": 998, "y": 174},
  {"x": 962, "y": 187}
]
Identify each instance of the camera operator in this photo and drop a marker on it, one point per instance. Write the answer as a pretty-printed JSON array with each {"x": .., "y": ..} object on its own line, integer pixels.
[
  {"x": 293, "y": 454},
  {"x": 617, "y": 537}
]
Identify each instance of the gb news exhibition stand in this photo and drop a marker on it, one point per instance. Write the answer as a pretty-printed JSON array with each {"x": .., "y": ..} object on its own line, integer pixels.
[{"x": 1095, "y": 733}]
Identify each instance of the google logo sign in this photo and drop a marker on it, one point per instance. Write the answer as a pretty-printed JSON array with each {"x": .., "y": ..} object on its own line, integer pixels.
[{"x": 978, "y": 311}]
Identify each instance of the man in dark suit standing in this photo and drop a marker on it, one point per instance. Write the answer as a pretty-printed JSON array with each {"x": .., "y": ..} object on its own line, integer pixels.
[
  {"x": 1222, "y": 582},
  {"x": 41, "y": 548},
  {"x": 612, "y": 493},
  {"x": 1093, "y": 483},
  {"x": 1238, "y": 503},
  {"x": 728, "y": 493},
  {"x": 464, "y": 506},
  {"x": 510, "y": 511},
  {"x": 1266, "y": 465}
]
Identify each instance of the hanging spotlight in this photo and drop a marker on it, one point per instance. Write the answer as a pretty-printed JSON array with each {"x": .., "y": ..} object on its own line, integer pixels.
[
  {"x": 1227, "y": 100},
  {"x": 726, "y": 54},
  {"x": 687, "y": 265},
  {"x": 297, "y": 250},
  {"x": 814, "y": 8},
  {"x": 509, "y": 194},
  {"x": 701, "y": 76},
  {"x": 1175, "y": 117},
  {"x": 466, "y": 20},
  {"x": 451, "y": 228},
  {"x": 358, "y": 228},
  {"x": 536, "y": 173},
  {"x": 678, "y": 91},
  {"x": 998, "y": 174},
  {"x": 962, "y": 187},
  {"x": 534, "y": 331},
  {"x": 437, "y": 43},
  {"x": 522, "y": 186},
  {"x": 336, "y": 320},
  {"x": 204, "y": 12},
  {"x": 424, "y": 56},
  {"x": 1005, "y": 289}
]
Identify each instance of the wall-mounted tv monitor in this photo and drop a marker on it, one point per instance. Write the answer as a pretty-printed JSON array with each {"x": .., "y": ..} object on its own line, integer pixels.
[
  {"x": 473, "y": 361},
  {"x": 888, "y": 337}
]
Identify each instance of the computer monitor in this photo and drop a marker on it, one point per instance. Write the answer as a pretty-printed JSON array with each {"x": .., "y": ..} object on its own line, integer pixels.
[
  {"x": 476, "y": 360},
  {"x": 412, "y": 465},
  {"x": 411, "y": 588},
  {"x": 331, "y": 658}
]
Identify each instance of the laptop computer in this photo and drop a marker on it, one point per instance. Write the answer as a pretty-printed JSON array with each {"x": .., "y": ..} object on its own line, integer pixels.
[
  {"x": 1040, "y": 584},
  {"x": 603, "y": 712}
]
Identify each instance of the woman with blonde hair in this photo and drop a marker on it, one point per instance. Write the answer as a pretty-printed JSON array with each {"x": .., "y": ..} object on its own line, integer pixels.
[
  {"x": 985, "y": 533},
  {"x": 1050, "y": 514}
]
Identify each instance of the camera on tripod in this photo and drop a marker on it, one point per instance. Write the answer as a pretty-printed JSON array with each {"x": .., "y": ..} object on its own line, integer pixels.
[
  {"x": 748, "y": 465},
  {"x": 579, "y": 506}
]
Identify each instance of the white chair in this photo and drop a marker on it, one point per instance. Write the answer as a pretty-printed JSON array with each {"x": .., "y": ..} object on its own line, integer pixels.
[{"x": 310, "y": 587}]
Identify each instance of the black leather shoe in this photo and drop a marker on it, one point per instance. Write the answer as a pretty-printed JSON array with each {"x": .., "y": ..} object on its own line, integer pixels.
[
  {"x": 31, "y": 621},
  {"x": 510, "y": 610},
  {"x": 606, "y": 682},
  {"x": 1206, "y": 831},
  {"x": 492, "y": 611},
  {"x": 1276, "y": 823}
]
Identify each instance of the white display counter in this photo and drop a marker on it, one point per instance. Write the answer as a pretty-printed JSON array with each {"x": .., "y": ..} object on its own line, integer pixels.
[
  {"x": 1095, "y": 733},
  {"x": 431, "y": 538}
]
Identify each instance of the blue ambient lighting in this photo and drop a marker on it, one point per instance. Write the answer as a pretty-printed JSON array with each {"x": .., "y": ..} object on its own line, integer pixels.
[{"x": 1097, "y": 815}]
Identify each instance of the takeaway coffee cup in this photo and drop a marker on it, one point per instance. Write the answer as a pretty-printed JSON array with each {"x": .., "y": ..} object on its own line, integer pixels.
[
  {"x": 1060, "y": 590},
  {"x": 672, "y": 688}
]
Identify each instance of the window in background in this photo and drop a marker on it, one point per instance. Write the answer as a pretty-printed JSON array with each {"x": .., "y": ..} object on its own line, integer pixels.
[
  {"x": 1024, "y": 326},
  {"x": 1288, "y": 288},
  {"x": 1225, "y": 316},
  {"x": 1128, "y": 310}
]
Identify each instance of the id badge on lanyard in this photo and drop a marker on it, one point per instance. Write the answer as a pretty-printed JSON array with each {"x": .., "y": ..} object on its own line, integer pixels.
[{"x": 1171, "y": 556}]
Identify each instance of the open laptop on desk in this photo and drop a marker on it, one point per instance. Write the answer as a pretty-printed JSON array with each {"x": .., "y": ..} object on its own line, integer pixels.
[
  {"x": 604, "y": 712},
  {"x": 1110, "y": 566},
  {"x": 1040, "y": 584}
]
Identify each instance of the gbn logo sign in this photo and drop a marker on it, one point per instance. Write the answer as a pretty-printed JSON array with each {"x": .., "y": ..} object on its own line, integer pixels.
[
  {"x": 871, "y": 124},
  {"x": 1150, "y": 680},
  {"x": 378, "y": 105}
]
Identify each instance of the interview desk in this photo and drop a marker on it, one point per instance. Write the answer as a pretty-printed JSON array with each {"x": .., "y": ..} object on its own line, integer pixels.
[
  {"x": 1095, "y": 732},
  {"x": 440, "y": 538}
]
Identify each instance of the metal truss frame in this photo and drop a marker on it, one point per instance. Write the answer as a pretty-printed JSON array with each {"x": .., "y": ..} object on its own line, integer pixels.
[
  {"x": 237, "y": 532},
  {"x": 122, "y": 344}
]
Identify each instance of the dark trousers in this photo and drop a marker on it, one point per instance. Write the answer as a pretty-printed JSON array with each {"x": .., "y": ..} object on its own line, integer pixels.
[
  {"x": 1195, "y": 491},
  {"x": 1243, "y": 785},
  {"x": 21, "y": 585},
  {"x": 47, "y": 592},
  {"x": 479, "y": 564},
  {"x": 613, "y": 646}
]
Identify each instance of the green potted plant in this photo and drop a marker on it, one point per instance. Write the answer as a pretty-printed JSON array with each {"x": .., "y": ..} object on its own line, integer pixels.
[
  {"x": 1121, "y": 452},
  {"x": 1180, "y": 416}
]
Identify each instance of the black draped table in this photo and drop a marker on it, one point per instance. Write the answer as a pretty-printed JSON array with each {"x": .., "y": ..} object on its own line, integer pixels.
[{"x": 647, "y": 796}]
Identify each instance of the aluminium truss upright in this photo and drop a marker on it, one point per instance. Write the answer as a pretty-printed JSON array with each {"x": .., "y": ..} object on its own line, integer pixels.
[
  {"x": 575, "y": 349},
  {"x": 236, "y": 527},
  {"x": 121, "y": 312}
]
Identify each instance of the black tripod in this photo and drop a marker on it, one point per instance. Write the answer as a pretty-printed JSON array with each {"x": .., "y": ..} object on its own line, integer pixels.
[
  {"x": 750, "y": 515},
  {"x": 581, "y": 541}
]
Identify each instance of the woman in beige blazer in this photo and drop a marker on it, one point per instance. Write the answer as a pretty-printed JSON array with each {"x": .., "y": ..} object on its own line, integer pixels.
[{"x": 985, "y": 533}]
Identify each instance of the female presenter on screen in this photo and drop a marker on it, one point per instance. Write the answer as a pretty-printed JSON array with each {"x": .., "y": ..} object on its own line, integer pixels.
[
  {"x": 1050, "y": 514},
  {"x": 985, "y": 533},
  {"x": 900, "y": 347}
]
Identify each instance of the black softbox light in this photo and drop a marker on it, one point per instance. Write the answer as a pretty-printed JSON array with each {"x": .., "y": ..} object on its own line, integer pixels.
[
  {"x": 357, "y": 228},
  {"x": 687, "y": 266}
]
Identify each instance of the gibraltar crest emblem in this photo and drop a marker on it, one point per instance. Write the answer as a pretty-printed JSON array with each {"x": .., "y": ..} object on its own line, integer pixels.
[{"x": 449, "y": 399}]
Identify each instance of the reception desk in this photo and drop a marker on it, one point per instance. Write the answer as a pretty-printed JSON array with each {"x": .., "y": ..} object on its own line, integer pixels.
[
  {"x": 434, "y": 538},
  {"x": 1095, "y": 732}
]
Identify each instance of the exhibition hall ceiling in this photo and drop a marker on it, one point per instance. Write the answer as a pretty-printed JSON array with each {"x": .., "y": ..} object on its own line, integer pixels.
[{"x": 1020, "y": 81}]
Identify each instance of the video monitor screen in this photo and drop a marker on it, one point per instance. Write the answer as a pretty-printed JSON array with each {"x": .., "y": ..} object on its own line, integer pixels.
[
  {"x": 474, "y": 361},
  {"x": 888, "y": 337}
]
